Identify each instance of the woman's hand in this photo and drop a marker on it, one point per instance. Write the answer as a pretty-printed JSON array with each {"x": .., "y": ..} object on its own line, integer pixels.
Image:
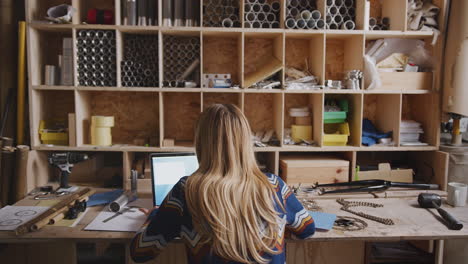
[{"x": 148, "y": 211}]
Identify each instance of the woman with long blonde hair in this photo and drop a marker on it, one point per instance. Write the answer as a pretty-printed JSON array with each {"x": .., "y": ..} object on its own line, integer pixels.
[{"x": 228, "y": 211}]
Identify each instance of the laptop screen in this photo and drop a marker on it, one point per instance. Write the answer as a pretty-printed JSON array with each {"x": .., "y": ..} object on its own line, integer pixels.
[{"x": 166, "y": 171}]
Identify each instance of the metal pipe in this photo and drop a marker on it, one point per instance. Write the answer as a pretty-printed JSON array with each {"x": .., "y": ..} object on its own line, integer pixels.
[
  {"x": 247, "y": 24},
  {"x": 338, "y": 19},
  {"x": 343, "y": 10},
  {"x": 372, "y": 21},
  {"x": 386, "y": 21},
  {"x": 256, "y": 24},
  {"x": 333, "y": 10},
  {"x": 168, "y": 10},
  {"x": 294, "y": 12},
  {"x": 316, "y": 14},
  {"x": 332, "y": 26},
  {"x": 352, "y": 11},
  {"x": 290, "y": 23},
  {"x": 294, "y": 3},
  {"x": 247, "y": 8},
  {"x": 311, "y": 24},
  {"x": 265, "y": 24},
  {"x": 338, "y": 3},
  {"x": 275, "y": 6},
  {"x": 349, "y": 3},
  {"x": 306, "y": 15},
  {"x": 275, "y": 24},
  {"x": 257, "y": 8},
  {"x": 227, "y": 23},
  {"x": 261, "y": 16},
  {"x": 266, "y": 8},
  {"x": 271, "y": 17},
  {"x": 301, "y": 23},
  {"x": 250, "y": 17},
  {"x": 348, "y": 25},
  {"x": 304, "y": 4}
]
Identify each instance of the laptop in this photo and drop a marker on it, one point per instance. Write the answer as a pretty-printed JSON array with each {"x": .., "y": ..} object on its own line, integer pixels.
[{"x": 166, "y": 171}]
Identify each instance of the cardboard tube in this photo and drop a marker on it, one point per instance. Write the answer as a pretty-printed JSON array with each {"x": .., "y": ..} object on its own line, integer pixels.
[
  {"x": 167, "y": 12},
  {"x": 22, "y": 153},
  {"x": 21, "y": 82},
  {"x": 190, "y": 69},
  {"x": 8, "y": 161}
]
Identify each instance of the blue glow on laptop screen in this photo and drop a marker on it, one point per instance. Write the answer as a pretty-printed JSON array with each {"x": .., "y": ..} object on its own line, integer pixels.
[{"x": 167, "y": 171}]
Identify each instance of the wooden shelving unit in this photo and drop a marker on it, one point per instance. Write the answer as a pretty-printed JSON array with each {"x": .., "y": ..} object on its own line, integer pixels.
[{"x": 151, "y": 114}]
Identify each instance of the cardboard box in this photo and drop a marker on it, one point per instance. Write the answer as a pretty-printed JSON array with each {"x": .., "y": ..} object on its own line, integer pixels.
[
  {"x": 385, "y": 172},
  {"x": 309, "y": 170}
]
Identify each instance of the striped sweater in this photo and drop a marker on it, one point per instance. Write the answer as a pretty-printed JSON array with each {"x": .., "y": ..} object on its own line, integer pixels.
[{"x": 173, "y": 219}]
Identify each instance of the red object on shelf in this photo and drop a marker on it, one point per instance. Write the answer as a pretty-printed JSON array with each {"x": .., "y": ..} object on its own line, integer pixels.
[{"x": 98, "y": 16}]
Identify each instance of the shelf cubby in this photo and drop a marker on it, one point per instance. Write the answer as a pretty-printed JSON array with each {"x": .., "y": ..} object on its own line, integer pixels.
[
  {"x": 50, "y": 106},
  {"x": 180, "y": 50},
  {"x": 180, "y": 114},
  {"x": 354, "y": 116},
  {"x": 263, "y": 110},
  {"x": 136, "y": 116},
  {"x": 343, "y": 53},
  {"x": 263, "y": 57},
  {"x": 423, "y": 109},
  {"x": 314, "y": 102},
  {"x": 37, "y": 10},
  {"x": 83, "y": 6},
  {"x": 49, "y": 45},
  {"x": 384, "y": 110},
  {"x": 222, "y": 98},
  {"x": 306, "y": 52},
  {"x": 103, "y": 169},
  {"x": 267, "y": 161},
  {"x": 395, "y": 10},
  {"x": 138, "y": 59},
  {"x": 222, "y": 54}
]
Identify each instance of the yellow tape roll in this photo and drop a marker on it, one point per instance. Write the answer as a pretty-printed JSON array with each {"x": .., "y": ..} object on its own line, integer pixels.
[
  {"x": 101, "y": 136},
  {"x": 299, "y": 133},
  {"x": 102, "y": 121}
]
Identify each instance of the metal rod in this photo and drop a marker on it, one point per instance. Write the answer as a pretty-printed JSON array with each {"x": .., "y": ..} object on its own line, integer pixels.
[
  {"x": 227, "y": 23},
  {"x": 290, "y": 23}
]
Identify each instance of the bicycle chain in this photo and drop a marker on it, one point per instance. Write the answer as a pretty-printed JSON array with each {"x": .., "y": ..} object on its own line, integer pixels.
[
  {"x": 347, "y": 204},
  {"x": 310, "y": 204}
]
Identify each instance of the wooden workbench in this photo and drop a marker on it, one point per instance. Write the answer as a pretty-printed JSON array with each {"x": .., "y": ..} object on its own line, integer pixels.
[{"x": 411, "y": 223}]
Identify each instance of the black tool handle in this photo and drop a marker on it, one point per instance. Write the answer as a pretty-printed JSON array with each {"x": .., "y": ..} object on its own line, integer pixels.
[
  {"x": 452, "y": 223},
  {"x": 64, "y": 179}
]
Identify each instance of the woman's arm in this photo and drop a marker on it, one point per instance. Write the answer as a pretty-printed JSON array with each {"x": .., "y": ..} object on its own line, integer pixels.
[
  {"x": 298, "y": 220},
  {"x": 162, "y": 226}
]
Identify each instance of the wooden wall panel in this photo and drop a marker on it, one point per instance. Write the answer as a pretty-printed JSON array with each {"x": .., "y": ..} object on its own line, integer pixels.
[
  {"x": 257, "y": 51},
  {"x": 334, "y": 59},
  {"x": 181, "y": 112},
  {"x": 258, "y": 109}
]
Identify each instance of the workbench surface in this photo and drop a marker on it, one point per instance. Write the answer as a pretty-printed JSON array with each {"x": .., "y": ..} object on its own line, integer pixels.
[{"x": 411, "y": 223}]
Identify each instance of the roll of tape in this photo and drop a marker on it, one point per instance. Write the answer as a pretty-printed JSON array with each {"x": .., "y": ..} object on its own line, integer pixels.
[
  {"x": 101, "y": 136},
  {"x": 299, "y": 133},
  {"x": 299, "y": 112},
  {"x": 102, "y": 121}
]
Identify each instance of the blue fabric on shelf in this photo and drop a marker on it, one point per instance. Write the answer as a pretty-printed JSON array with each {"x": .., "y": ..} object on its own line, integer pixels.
[
  {"x": 104, "y": 198},
  {"x": 370, "y": 134}
]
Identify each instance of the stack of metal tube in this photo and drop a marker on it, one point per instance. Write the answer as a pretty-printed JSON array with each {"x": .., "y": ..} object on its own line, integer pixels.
[
  {"x": 221, "y": 13},
  {"x": 260, "y": 14},
  {"x": 181, "y": 61},
  {"x": 140, "y": 65},
  {"x": 341, "y": 14},
  {"x": 379, "y": 24},
  {"x": 96, "y": 57},
  {"x": 179, "y": 13},
  {"x": 303, "y": 14}
]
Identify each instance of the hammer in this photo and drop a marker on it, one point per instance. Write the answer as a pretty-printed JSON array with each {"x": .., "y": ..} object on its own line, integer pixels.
[{"x": 432, "y": 200}]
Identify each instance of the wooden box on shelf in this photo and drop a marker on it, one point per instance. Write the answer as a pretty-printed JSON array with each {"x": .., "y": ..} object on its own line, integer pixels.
[
  {"x": 406, "y": 81},
  {"x": 307, "y": 170}
]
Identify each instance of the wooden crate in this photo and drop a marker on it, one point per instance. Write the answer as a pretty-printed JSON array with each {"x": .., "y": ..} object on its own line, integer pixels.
[
  {"x": 308, "y": 170},
  {"x": 406, "y": 81}
]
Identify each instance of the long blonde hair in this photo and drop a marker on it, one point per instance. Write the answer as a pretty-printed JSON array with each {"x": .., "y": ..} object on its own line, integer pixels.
[{"x": 230, "y": 199}]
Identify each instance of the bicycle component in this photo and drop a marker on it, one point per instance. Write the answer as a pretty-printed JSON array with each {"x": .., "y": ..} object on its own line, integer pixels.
[
  {"x": 348, "y": 223},
  {"x": 347, "y": 204},
  {"x": 373, "y": 186}
]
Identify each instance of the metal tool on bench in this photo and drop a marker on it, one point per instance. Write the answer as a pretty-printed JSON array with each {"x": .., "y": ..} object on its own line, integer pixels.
[
  {"x": 370, "y": 186},
  {"x": 65, "y": 162},
  {"x": 432, "y": 200},
  {"x": 121, "y": 212}
]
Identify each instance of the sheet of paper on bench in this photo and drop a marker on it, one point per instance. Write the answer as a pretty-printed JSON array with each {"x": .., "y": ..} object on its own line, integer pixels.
[{"x": 127, "y": 222}]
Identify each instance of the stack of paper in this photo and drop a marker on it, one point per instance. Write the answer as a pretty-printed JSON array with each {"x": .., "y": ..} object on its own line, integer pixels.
[{"x": 410, "y": 131}]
